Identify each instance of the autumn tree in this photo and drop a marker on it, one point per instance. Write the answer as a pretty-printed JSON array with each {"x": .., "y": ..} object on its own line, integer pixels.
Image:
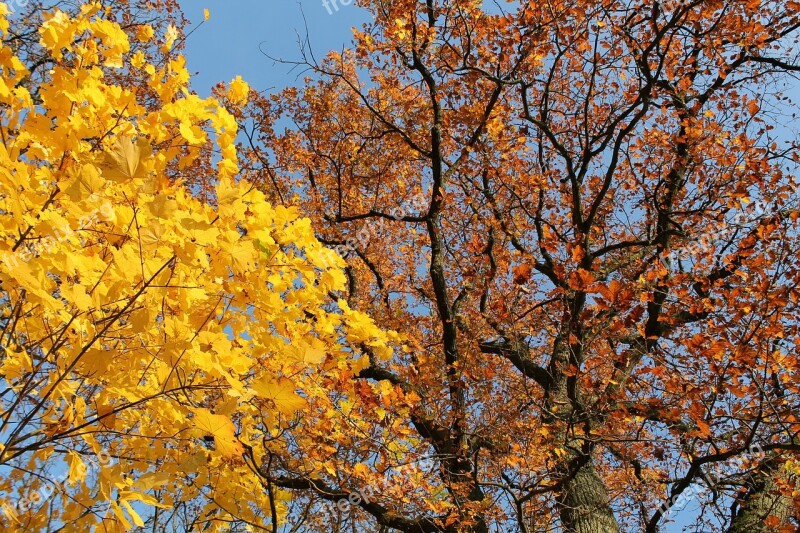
[
  {"x": 155, "y": 346},
  {"x": 581, "y": 218}
]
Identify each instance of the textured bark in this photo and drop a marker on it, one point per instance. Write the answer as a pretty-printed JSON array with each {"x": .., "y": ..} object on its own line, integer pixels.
[
  {"x": 583, "y": 501},
  {"x": 763, "y": 500},
  {"x": 584, "y": 504}
]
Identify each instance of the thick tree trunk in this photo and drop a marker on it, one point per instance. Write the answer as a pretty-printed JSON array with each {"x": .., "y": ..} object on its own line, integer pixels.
[
  {"x": 583, "y": 502},
  {"x": 762, "y": 501},
  {"x": 584, "y": 505}
]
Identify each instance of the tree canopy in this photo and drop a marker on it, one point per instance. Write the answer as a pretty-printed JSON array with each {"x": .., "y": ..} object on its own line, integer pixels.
[
  {"x": 155, "y": 346},
  {"x": 575, "y": 223}
]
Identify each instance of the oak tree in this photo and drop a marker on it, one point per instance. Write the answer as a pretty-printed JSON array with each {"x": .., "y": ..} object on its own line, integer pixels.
[{"x": 581, "y": 217}]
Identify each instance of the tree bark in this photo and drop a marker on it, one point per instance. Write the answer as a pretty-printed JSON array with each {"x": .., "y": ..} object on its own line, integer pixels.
[
  {"x": 763, "y": 499},
  {"x": 584, "y": 504}
]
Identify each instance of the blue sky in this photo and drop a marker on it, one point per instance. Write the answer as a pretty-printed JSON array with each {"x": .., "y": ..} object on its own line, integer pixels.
[{"x": 232, "y": 41}]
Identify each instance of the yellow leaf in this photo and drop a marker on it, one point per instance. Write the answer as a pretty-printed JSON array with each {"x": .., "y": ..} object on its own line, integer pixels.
[
  {"x": 206, "y": 14},
  {"x": 193, "y": 462},
  {"x": 313, "y": 355},
  {"x": 281, "y": 392},
  {"x": 77, "y": 470},
  {"x": 120, "y": 515},
  {"x": 77, "y": 295},
  {"x": 122, "y": 162},
  {"x": 152, "y": 235},
  {"x": 87, "y": 183},
  {"x": 144, "y": 32},
  {"x": 239, "y": 91},
  {"x": 228, "y": 192},
  {"x": 361, "y": 469},
  {"x": 193, "y": 134},
  {"x": 221, "y": 428},
  {"x": 170, "y": 37},
  {"x": 128, "y": 495},
  {"x": 133, "y": 514}
]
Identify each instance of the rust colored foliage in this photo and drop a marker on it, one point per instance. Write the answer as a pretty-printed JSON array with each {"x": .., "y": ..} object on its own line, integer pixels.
[
  {"x": 568, "y": 300},
  {"x": 581, "y": 218}
]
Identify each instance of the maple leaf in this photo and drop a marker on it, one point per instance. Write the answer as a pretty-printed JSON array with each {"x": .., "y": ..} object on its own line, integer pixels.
[
  {"x": 220, "y": 429},
  {"x": 77, "y": 468},
  {"x": 170, "y": 37},
  {"x": 123, "y": 160},
  {"x": 281, "y": 392},
  {"x": 581, "y": 279},
  {"x": 238, "y": 91}
]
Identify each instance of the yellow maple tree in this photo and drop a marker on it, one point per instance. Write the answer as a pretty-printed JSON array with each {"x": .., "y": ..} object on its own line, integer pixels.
[{"x": 154, "y": 347}]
